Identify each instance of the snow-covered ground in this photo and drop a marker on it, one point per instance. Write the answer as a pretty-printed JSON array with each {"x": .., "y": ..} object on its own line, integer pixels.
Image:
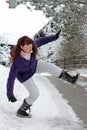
[{"x": 51, "y": 111}]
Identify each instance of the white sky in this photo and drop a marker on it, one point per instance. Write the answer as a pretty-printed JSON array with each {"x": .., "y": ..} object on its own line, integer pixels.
[{"x": 50, "y": 111}]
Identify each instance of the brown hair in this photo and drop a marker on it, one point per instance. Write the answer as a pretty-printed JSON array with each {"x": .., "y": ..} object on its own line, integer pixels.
[{"x": 17, "y": 49}]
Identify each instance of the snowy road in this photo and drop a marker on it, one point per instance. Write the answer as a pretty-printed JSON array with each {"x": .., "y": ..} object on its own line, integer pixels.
[{"x": 76, "y": 95}]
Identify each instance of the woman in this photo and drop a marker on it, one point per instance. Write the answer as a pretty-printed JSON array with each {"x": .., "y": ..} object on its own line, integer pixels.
[{"x": 25, "y": 65}]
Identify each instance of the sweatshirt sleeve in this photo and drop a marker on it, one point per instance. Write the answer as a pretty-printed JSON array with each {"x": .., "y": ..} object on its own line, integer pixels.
[
  {"x": 44, "y": 40},
  {"x": 10, "y": 81}
]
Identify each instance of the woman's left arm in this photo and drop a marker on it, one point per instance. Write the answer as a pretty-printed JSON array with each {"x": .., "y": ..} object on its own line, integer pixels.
[{"x": 44, "y": 40}]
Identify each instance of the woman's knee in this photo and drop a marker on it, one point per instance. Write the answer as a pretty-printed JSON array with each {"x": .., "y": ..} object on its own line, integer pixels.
[{"x": 35, "y": 95}]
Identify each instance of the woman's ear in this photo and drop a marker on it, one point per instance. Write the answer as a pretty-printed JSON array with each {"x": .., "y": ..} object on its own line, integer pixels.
[{"x": 21, "y": 47}]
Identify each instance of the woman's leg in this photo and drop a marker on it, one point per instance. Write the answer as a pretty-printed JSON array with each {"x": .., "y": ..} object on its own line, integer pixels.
[
  {"x": 43, "y": 66},
  {"x": 32, "y": 89},
  {"x": 27, "y": 103}
]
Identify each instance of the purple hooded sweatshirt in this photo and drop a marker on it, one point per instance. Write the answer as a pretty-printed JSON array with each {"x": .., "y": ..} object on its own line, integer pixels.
[{"x": 23, "y": 69}]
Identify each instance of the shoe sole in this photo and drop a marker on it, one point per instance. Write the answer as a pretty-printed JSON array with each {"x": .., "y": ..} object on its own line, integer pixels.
[
  {"x": 76, "y": 79},
  {"x": 29, "y": 116}
]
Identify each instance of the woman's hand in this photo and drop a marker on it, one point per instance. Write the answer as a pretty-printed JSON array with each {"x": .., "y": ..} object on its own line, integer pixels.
[
  {"x": 12, "y": 99},
  {"x": 58, "y": 33}
]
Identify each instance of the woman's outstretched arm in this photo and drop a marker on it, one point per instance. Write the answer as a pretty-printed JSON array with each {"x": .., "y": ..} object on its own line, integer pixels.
[{"x": 44, "y": 40}]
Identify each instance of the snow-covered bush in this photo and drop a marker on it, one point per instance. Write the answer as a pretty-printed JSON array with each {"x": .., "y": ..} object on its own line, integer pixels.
[{"x": 4, "y": 50}]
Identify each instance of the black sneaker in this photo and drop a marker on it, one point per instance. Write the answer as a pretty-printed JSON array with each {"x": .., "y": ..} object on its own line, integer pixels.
[
  {"x": 23, "y": 114},
  {"x": 67, "y": 77}
]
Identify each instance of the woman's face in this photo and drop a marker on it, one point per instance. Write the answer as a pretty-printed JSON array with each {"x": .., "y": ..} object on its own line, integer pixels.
[{"x": 27, "y": 48}]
